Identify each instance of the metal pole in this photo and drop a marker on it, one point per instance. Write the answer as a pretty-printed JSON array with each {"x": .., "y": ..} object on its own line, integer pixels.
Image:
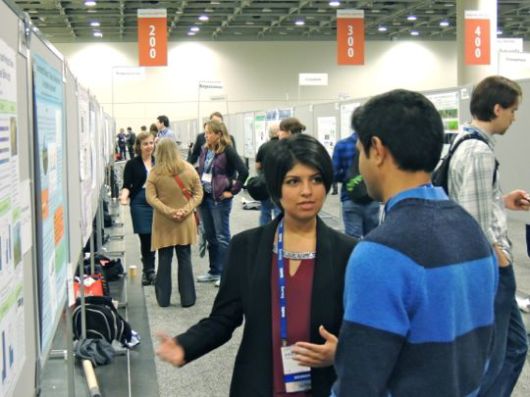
[{"x": 70, "y": 357}]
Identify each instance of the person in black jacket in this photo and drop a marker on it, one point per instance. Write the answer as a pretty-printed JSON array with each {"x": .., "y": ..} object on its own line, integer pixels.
[
  {"x": 200, "y": 140},
  {"x": 133, "y": 192},
  {"x": 311, "y": 257}
]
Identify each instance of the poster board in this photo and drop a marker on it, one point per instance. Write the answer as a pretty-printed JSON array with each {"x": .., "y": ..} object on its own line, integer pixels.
[{"x": 51, "y": 195}]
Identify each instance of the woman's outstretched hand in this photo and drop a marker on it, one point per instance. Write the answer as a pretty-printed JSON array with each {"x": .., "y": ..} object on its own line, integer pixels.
[{"x": 169, "y": 351}]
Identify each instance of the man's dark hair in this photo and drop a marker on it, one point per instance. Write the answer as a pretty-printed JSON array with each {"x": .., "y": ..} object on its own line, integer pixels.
[
  {"x": 407, "y": 123},
  {"x": 299, "y": 148},
  {"x": 129, "y": 129},
  {"x": 491, "y": 91},
  {"x": 143, "y": 128},
  {"x": 164, "y": 120},
  {"x": 292, "y": 125},
  {"x": 217, "y": 114}
]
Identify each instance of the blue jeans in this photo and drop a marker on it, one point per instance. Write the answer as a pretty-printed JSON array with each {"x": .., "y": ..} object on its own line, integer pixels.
[
  {"x": 215, "y": 217},
  {"x": 510, "y": 343},
  {"x": 359, "y": 219},
  {"x": 268, "y": 212}
]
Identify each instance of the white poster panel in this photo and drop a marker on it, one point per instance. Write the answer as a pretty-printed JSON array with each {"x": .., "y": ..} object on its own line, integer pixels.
[
  {"x": 248, "y": 131},
  {"x": 346, "y": 110},
  {"x": 260, "y": 130},
  {"x": 514, "y": 65},
  {"x": 53, "y": 245},
  {"x": 327, "y": 132},
  {"x": 12, "y": 353},
  {"x": 85, "y": 163}
]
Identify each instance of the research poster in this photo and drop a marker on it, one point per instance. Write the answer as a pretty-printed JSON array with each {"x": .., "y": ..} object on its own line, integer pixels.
[
  {"x": 12, "y": 353},
  {"x": 447, "y": 104},
  {"x": 248, "y": 130},
  {"x": 327, "y": 132},
  {"x": 85, "y": 163},
  {"x": 260, "y": 130},
  {"x": 50, "y": 186},
  {"x": 346, "y": 111}
]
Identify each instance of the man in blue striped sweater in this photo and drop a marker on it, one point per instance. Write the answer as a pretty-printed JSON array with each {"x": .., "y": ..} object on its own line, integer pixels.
[{"x": 419, "y": 289}]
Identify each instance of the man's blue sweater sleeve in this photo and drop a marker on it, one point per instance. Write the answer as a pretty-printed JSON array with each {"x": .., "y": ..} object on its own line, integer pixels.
[{"x": 380, "y": 294}]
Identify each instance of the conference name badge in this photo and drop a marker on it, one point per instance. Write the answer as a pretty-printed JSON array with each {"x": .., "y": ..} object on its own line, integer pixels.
[
  {"x": 295, "y": 376},
  {"x": 207, "y": 177}
]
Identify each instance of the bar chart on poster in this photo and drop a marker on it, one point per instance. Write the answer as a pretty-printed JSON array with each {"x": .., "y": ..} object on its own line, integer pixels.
[{"x": 11, "y": 277}]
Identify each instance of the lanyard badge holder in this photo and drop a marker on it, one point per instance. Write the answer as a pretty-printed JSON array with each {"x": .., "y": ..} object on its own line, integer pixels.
[{"x": 296, "y": 377}]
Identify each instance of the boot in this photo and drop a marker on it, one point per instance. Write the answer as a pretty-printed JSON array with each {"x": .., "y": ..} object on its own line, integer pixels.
[{"x": 148, "y": 271}]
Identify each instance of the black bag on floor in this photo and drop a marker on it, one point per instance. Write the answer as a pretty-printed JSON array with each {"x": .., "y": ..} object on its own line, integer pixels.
[
  {"x": 112, "y": 269},
  {"x": 102, "y": 320}
]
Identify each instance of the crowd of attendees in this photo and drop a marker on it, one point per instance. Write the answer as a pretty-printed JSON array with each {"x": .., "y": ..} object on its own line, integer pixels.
[{"x": 415, "y": 298}]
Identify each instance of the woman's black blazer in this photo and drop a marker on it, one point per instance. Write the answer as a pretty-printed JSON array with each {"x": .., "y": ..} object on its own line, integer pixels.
[{"x": 245, "y": 293}]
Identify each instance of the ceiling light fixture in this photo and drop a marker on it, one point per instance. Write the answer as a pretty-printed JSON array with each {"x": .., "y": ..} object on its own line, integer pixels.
[
  {"x": 412, "y": 18},
  {"x": 444, "y": 24},
  {"x": 382, "y": 28},
  {"x": 191, "y": 33},
  {"x": 334, "y": 3},
  {"x": 97, "y": 34},
  {"x": 90, "y": 3},
  {"x": 203, "y": 18},
  {"x": 414, "y": 33},
  {"x": 95, "y": 24},
  {"x": 299, "y": 22},
  {"x": 194, "y": 29},
  {"x": 266, "y": 10}
]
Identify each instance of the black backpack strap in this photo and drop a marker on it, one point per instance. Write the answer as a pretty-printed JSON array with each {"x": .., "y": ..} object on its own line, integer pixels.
[{"x": 477, "y": 136}]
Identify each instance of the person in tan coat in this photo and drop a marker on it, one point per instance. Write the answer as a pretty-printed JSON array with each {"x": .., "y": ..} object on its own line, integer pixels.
[{"x": 174, "y": 191}]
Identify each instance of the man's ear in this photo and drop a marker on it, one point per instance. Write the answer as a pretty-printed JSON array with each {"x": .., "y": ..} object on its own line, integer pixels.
[
  {"x": 378, "y": 150},
  {"x": 497, "y": 110}
]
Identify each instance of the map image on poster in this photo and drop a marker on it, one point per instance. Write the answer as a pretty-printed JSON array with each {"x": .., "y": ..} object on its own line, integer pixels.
[{"x": 51, "y": 219}]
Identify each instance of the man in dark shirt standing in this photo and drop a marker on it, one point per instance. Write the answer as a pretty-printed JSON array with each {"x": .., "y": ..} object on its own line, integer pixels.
[
  {"x": 131, "y": 139},
  {"x": 268, "y": 210}
]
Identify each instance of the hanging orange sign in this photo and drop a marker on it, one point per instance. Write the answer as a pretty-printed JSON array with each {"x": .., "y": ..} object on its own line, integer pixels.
[
  {"x": 350, "y": 37},
  {"x": 477, "y": 38},
  {"x": 152, "y": 37}
]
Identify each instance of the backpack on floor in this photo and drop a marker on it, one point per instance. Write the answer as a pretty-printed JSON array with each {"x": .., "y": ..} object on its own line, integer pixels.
[
  {"x": 440, "y": 176},
  {"x": 102, "y": 320}
]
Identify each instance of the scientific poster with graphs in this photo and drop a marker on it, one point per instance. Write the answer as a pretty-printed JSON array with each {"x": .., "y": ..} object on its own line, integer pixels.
[
  {"x": 327, "y": 132},
  {"x": 85, "y": 163},
  {"x": 248, "y": 131},
  {"x": 260, "y": 130},
  {"x": 447, "y": 105},
  {"x": 346, "y": 111},
  {"x": 12, "y": 353},
  {"x": 50, "y": 182}
]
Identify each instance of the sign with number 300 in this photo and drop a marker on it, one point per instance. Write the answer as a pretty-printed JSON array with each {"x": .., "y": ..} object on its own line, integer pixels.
[{"x": 350, "y": 37}]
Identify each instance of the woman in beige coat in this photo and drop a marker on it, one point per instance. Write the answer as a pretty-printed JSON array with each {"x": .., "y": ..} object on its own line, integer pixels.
[{"x": 174, "y": 191}]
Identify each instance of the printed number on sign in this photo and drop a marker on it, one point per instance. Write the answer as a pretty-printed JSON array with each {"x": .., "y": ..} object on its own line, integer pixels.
[
  {"x": 152, "y": 42},
  {"x": 478, "y": 42},
  {"x": 350, "y": 52}
]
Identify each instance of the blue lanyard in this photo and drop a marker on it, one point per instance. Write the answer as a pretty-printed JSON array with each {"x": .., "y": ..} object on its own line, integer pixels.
[{"x": 282, "y": 287}]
